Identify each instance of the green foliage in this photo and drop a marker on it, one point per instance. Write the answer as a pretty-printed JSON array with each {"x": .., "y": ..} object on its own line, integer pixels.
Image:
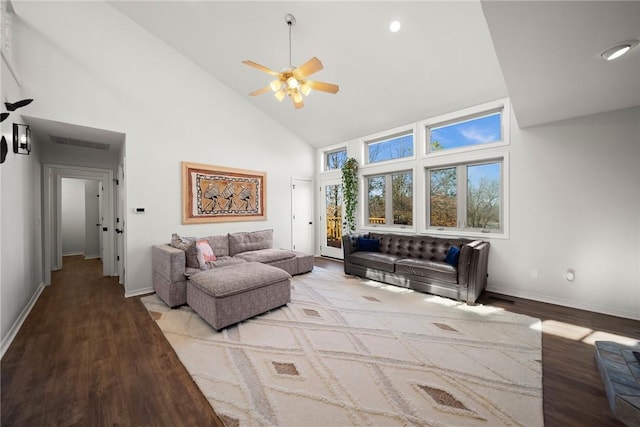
[{"x": 350, "y": 188}]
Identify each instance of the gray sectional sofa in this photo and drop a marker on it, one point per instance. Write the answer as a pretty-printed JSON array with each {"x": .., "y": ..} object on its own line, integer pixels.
[
  {"x": 418, "y": 262},
  {"x": 173, "y": 266}
]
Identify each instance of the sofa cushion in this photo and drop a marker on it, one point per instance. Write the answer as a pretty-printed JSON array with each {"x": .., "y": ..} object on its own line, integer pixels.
[
  {"x": 430, "y": 269},
  {"x": 375, "y": 260},
  {"x": 219, "y": 244},
  {"x": 369, "y": 245},
  {"x": 188, "y": 245},
  {"x": 223, "y": 261},
  {"x": 227, "y": 281},
  {"x": 415, "y": 246},
  {"x": 250, "y": 241},
  {"x": 266, "y": 255}
]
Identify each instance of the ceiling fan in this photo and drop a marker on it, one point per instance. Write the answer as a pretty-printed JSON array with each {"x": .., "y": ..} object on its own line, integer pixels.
[{"x": 292, "y": 81}]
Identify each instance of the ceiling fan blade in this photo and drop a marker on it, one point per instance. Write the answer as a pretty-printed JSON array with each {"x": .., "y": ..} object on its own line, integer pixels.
[
  {"x": 260, "y": 91},
  {"x": 261, "y": 68},
  {"x": 322, "y": 86},
  {"x": 311, "y": 66}
]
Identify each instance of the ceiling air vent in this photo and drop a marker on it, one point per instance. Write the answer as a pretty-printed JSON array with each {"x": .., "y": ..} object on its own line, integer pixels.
[{"x": 79, "y": 143}]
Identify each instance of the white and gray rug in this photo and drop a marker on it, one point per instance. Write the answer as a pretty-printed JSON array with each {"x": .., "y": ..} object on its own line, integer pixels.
[{"x": 352, "y": 352}]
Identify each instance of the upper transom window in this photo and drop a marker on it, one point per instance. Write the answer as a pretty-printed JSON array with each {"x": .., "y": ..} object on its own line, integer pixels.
[
  {"x": 389, "y": 148},
  {"x": 335, "y": 159},
  {"x": 479, "y": 129}
]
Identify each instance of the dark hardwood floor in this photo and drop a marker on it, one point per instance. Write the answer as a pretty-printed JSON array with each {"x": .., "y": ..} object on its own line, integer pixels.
[{"x": 87, "y": 356}]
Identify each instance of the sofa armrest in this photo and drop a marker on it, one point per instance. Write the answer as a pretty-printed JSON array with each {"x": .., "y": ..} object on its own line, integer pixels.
[
  {"x": 168, "y": 262},
  {"x": 472, "y": 268},
  {"x": 349, "y": 247}
]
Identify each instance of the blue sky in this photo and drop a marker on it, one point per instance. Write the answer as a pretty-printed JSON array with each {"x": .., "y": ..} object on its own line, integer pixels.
[
  {"x": 472, "y": 132},
  {"x": 490, "y": 171}
]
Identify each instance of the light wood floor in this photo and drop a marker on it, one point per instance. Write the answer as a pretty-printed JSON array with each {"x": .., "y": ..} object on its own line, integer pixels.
[{"x": 88, "y": 356}]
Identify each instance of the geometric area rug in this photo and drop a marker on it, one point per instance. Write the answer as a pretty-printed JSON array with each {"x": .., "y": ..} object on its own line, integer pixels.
[{"x": 353, "y": 352}]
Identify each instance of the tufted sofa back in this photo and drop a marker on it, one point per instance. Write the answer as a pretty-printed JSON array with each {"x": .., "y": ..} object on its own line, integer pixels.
[{"x": 414, "y": 246}]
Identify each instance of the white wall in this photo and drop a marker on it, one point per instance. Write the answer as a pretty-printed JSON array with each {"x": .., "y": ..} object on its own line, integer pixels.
[
  {"x": 92, "y": 217},
  {"x": 89, "y": 65},
  {"x": 20, "y": 225},
  {"x": 575, "y": 204},
  {"x": 73, "y": 216}
]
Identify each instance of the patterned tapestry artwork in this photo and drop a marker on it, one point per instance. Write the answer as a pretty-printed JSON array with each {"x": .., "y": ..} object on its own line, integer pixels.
[{"x": 218, "y": 194}]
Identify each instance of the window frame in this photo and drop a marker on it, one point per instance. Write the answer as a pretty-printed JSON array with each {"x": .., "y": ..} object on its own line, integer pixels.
[
  {"x": 388, "y": 199},
  {"x": 386, "y": 136},
  {"x": 502, "y": 106},
  {"x": 326, "y": 152},
  {"x": 462, "y": 189}
]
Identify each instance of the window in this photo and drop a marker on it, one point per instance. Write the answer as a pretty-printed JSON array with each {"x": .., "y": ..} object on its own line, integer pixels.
[
  {"x": 390, "y": 199},
  {"x": 469, "y": 131},
  {"x": 466, "y": 197},
  {"x": 389, "y": 148},
  {"x": 334, "y": 159}
]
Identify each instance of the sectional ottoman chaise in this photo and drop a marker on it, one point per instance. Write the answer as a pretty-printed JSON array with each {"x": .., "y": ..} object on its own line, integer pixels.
[{"x": 226, "y": 278}]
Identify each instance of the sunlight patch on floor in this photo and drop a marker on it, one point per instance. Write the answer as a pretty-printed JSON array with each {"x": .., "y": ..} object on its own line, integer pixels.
[
  {"x": 565, "y": 330},
  {"x": 580, "y": 333},
  {"x": 389, "y": 288},
  {"x": 606, "y": 336},
  {"x": 483, "y": 310}
]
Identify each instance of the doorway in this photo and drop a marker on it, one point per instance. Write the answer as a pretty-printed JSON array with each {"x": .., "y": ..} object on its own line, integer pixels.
[
  {"x": 80, "y": 218},
  {"x": 302, "y": 231},
  {"x": 332, "y": 218},
  {"x": 52, "y": 193}
]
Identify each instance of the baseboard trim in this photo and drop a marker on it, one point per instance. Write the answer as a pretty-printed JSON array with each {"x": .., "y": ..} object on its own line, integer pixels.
[
  {"x": 91, "y": 256},
  {"x": 15, "y": 328},
  {"x": 138, "y": 292},
  {"x": 566, "y": 303},
  {"x": 72, "y": 254}
]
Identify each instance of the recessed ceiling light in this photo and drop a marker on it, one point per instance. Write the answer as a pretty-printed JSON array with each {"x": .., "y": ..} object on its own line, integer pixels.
[
  {"x": 619, "y": 50},
  {"x": 394, "y": 27}
]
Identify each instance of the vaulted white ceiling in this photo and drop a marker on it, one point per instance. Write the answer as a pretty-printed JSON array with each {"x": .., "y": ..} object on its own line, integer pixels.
[{"x": 447, "y": 56}]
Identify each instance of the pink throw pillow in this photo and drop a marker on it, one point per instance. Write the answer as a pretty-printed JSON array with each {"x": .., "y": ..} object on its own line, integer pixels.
[{"x": 207, "y": 251}]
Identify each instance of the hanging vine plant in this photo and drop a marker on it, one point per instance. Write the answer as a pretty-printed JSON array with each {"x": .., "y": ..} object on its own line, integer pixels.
[{"x": 350, "y": 188}]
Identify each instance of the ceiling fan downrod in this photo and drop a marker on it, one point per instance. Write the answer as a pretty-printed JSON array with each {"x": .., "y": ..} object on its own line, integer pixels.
[{"x": 290, "y": 20}]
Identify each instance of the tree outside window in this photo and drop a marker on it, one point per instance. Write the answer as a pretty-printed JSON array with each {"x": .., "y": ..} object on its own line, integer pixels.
[
  {"x": 335, "y": 159},
  {"x": 390, "y": 199},
  {"x": 477, "y": 205},
  {"x": 376, "y": 195},
  {"x": 402, "y": 198}
]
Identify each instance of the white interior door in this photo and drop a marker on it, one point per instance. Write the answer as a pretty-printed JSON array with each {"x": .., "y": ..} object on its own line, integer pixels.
[
  {"x": 302, "y": 216},
  {"x": 120, "y": 211},
  {"x": 332, "y": 218},
  {"x": 101, "y": 222}
]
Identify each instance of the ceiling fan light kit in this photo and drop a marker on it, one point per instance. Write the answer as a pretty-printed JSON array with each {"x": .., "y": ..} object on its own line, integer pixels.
[{"x": 292, "y": 81}]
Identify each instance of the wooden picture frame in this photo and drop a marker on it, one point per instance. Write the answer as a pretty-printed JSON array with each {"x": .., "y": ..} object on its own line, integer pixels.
[{"x": 221, "y": 194}]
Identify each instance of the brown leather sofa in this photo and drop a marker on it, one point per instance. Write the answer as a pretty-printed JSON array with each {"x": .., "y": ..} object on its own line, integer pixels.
[{"x": 418, "y": 262}]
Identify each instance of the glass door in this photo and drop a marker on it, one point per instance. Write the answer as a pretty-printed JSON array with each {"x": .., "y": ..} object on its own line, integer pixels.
[{"x": 332, "y": 218}]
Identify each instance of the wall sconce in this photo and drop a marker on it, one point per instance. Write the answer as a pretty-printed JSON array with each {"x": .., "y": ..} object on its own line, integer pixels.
[{"x": 21, "y": 139}]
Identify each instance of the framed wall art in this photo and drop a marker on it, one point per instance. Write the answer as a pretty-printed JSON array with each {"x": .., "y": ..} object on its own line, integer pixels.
[{"x": 221, "y": 194}]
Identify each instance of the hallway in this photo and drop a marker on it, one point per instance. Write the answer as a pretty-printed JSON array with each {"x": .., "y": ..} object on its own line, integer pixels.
[{"x": 88, "y": 356}]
